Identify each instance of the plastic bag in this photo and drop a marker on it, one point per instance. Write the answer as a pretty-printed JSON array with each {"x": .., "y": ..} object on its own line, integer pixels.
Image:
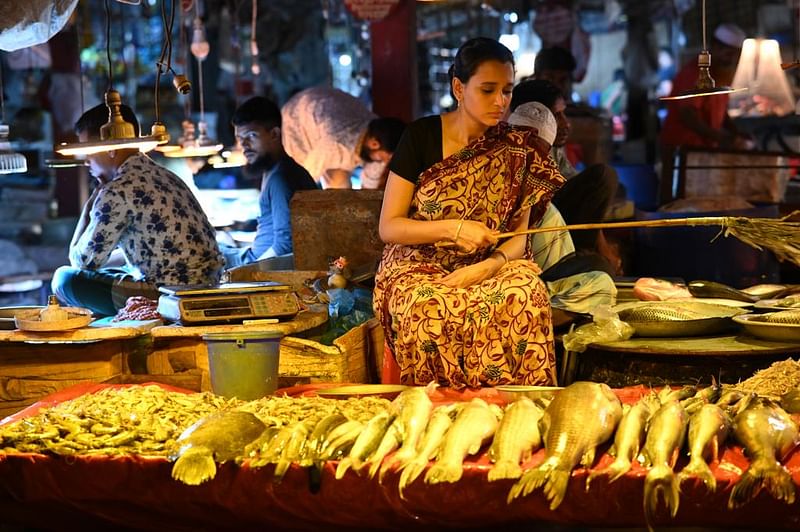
[
  {"x": 605, "y": 327},
  {"x": 347, "y": 309}
]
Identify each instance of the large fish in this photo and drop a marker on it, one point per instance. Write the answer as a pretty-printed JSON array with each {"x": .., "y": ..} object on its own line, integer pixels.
[
  {"x": 516, "y": 438},
  {"x": 665, "y": 436},
  {"x": 628, "y": 438},
  {"x": 785, "y": 317},
  {"x": 581, "y": 416},
  {"x": 366, "y": 443},
  {"x": 413, "y": 409},
  {"x": 718, "y": 290},
  {"x": 218, "y": 437},
  {"x": 708, "y": 429},
  {"x": 767, "y": 433},
  {"x": 440, "y": 422},
  {"x": 474, "y": 425}
]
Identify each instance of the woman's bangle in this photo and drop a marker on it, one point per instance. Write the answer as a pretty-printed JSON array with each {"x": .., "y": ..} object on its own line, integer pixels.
[
  {"x": 503, "y": 254},
  {"x": 458, "y": 230}
]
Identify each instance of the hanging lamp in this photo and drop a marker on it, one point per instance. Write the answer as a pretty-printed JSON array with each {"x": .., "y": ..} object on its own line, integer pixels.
[
  {"x": 201, "y": 145},
  {"x": 705, "y": 86},
  {"x": 117, "y": 134}
]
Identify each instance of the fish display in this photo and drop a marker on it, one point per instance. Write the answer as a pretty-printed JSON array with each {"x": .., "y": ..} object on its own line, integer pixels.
[
  {"x": 665, "y": 437},
  {"x": 366, "y": 443},
  {"x": 708, "y": 430},
  {"x": 473, "y": 427},
  {"x": 658, "y": 312},
  {"x": 767, "y": 433},
  {"x": 213, "y": 439},
  {"x": 570, "y": 439},
  {"x": 628, "y": 438},
  {"x": 516, "y": 438},
  {"x": 790, "y": 401}
]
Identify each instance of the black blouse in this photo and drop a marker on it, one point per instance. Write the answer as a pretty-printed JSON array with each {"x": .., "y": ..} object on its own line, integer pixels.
[{"x": 419, "y": 148}]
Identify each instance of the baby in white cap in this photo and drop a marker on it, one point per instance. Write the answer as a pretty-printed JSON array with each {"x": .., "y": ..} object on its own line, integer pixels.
[{"x": 536, "y": 115}]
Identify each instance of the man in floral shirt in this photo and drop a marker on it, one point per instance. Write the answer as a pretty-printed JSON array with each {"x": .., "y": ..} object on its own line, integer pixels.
[{"x": 149, "y": 214}]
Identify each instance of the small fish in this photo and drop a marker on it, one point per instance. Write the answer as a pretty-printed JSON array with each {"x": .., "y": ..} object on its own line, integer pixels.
[
  {"x": 218, "y": 437},
  {"x": 667, "y": 394},
  {"x": 475, "y": 424},
  {"x": 764, "y": 291},
  {"x": 729, "y": 397},
  {"x": 708, "y": 430},
  {"x": 767, "y": 433},
  {"x": 390, "y": 442},
  {"x": 341, "y": 440},
  {"x": 719, "y": 290},
  {"x": 653, "y": 313},
  {"x": 293, "y": 450},
  {"x": 787, "y": 317},
  {"x": 665, "y": 436},
  {"x": 440, "y": 422},
  {"x": 413, "y": 408},
  {"x": 570, "y": 439},
  {"x": 366, "y": 443},
  {"x": 314, "y": 447},
  {"x": 628, "y": 438},
  {"x": 516, "y": 438}
]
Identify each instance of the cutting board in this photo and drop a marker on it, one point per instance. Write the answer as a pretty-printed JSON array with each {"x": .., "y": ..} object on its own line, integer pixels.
[{"x": 102, "y": 329}]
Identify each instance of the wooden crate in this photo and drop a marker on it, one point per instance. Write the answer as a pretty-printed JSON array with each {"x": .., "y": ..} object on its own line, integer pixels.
[{"x": 352, "y": 358}]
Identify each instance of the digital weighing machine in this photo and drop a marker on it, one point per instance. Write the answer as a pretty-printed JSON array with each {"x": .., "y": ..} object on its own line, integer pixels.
[{"x": 227, "y": 303}]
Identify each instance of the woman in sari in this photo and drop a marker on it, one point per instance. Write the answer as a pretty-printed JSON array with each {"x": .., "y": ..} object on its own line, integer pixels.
[{"x": 473, "y": 312}]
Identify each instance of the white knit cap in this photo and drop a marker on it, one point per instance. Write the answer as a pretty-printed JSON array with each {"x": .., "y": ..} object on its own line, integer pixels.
[
  {"x": 730, "y": 34},
  {"x": 535, "y": 114}
]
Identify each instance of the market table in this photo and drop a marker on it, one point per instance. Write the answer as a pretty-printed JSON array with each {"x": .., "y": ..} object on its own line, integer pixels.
[
  {"x": 656, "y": 361},
  {"x": 93, "y": 493}
]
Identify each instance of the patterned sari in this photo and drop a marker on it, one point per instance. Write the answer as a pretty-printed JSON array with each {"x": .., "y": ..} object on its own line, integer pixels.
[{"x": 498, "y": 331}]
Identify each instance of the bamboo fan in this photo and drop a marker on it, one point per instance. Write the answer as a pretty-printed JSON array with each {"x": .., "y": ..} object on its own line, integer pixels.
[{"x": 778, "y": 235}]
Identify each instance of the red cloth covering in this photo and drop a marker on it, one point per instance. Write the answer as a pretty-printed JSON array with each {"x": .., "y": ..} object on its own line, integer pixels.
[
  {"x": 711, "y": 109},
  {"x": 97, "y": 492}
]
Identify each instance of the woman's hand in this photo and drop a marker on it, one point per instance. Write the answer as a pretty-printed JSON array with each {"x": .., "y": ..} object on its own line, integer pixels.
[
  {"x": 472, "y": 274},
  {"x": 470, "y": 236}
]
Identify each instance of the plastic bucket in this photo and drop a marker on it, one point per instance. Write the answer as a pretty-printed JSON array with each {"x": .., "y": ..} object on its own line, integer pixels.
[{"x": 243, "y": 365}]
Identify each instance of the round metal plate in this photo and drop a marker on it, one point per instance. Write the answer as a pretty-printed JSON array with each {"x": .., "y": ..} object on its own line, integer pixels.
[
  {"x": 512, "y": 392},
  {"x": 387, "y": 391},
  {"x": 784, "y": 303},
  {"x": 782, "y": 332}
]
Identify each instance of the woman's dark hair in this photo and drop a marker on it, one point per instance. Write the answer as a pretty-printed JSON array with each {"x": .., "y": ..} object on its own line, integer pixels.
[
  {"x": 535, "y": 90},
  {"x": 257, "y": 110},
  {"x": 474, "y": 53},
  {"x": 92, "y": 120}
]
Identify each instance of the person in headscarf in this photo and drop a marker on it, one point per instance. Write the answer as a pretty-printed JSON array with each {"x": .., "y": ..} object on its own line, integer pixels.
[{"x": 472, "y": 312}]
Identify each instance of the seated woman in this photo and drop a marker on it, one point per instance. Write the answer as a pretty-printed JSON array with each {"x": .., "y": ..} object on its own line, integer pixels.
[{"x": 475, "y": 312}]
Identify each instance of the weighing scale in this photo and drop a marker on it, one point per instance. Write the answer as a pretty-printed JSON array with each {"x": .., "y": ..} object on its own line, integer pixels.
[{"x": 230, "y": 302}]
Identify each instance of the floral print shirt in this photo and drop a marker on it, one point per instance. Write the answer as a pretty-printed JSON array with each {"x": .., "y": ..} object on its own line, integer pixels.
[{"x": 153, "y": 217}]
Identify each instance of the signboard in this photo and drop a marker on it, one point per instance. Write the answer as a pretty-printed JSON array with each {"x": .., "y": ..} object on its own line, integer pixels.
[{"x": 371, "y": 10}]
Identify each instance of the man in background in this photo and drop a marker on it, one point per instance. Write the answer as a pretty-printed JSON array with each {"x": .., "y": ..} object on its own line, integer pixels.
[
  {"x": 702, "y": 121},
  {"x": 257, "y": 126},
  {"x": 148, "y": 213},
  {"x": 330, "y": 133}
]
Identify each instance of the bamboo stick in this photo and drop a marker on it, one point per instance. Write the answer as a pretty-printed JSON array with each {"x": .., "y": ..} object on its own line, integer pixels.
[{"x": 667, "y": 222}]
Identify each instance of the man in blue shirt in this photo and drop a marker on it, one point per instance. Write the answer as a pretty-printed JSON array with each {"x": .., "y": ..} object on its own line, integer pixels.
[{"x": 257, "y": 126}]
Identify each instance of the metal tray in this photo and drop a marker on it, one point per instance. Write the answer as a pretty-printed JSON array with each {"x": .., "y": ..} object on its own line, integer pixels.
[
  {"x": 782, "y": 332},
  {"x": 387, "y": 391},
  {"x": 7, "y": 315}
]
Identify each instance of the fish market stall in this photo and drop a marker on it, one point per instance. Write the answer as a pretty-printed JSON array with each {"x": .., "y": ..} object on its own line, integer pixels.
[{"x": 98, "y": 474}]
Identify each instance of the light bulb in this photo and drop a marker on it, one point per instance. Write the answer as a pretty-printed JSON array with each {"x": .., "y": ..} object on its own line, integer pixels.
[{"x": 199, "y": 46}]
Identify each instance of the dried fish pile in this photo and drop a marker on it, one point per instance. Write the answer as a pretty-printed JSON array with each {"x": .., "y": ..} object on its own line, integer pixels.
[
  {"x": 135, "y": 420},
  {"x": 774, "y": 381}
]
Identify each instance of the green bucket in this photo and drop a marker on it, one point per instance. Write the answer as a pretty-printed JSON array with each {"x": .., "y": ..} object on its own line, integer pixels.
[{"x": 243, "y": 364}]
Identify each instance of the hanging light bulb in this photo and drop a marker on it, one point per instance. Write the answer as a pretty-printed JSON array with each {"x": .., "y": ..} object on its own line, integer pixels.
[
  {"x": 705, "y": 86},
  {"x": 255, "y": 68},
  {"x": 200, "y": 47},
  {"x": 202, "y": 146}
]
